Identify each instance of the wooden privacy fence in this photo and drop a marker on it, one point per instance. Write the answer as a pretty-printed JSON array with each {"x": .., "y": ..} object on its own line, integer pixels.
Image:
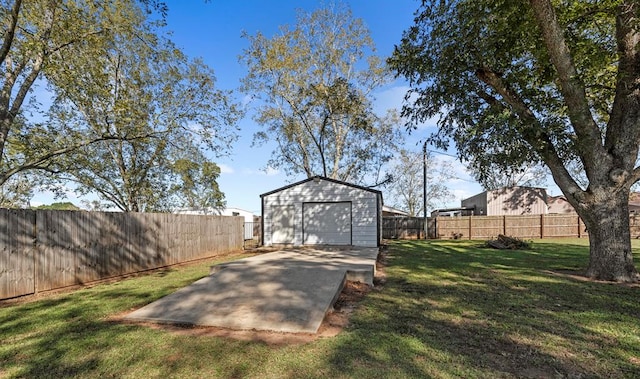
[
  {"x": 483, "y": 227},
  {"x": 532, "y": 226},
  {"x": 405, "y": 227},
  {"x": 44, "y": 250}
]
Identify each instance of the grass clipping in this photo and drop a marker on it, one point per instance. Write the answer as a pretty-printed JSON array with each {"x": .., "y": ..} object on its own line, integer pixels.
[{"x": 508, "y": 243}]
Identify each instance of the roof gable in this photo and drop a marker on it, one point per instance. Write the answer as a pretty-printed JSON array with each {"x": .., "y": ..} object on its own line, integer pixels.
[{"x": 317, "y": 177}]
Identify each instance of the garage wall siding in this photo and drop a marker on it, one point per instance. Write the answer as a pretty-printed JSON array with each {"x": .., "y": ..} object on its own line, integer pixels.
[{"x": 365, "y": 209}]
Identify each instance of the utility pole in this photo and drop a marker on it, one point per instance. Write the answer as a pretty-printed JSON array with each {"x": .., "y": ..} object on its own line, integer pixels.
[{"x": 424, "y": 188}]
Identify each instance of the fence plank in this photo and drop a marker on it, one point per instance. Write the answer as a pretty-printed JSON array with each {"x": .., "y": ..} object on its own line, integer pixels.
[
  {"x": 17, "y": 252},
  {"x": 45, "y": 249},
  {"x": 403, "y": 228},
  {"x": 523, "y": 226},
  {"x": 486, "y": 227},
  {"x": 561, "y": 226},
  {"x": 55, "y": 250}
]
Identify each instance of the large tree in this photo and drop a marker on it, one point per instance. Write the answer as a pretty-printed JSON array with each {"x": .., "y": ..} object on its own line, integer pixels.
[
  {"x": 37, "y": 38},
  {"x": 314, "y": 83},
  {"x": 549, "y": 81},
  {"x": 167, "y": 117}
]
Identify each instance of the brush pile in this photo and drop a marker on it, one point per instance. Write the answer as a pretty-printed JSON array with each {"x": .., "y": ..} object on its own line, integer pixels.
[{"x": 507, "y": 243}]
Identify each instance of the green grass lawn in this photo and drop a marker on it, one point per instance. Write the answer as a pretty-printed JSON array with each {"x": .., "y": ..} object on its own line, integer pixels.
[{"x": 449, "y": 309}]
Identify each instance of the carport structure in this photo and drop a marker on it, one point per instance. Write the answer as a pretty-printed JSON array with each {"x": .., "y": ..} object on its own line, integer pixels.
[{"x": 322, "y": 211}]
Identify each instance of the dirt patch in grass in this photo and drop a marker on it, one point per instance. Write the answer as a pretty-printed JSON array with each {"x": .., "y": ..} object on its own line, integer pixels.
[{"x": 334, "y": 322}]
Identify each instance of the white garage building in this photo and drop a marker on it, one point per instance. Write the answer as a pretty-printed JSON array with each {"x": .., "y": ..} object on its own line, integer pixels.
[{"x": 322, "y": 211}]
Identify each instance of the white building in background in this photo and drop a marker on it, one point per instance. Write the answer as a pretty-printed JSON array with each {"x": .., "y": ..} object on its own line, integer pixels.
[
  {"x": 514, "y": 201},
  {"x": 248, "y": 216}
]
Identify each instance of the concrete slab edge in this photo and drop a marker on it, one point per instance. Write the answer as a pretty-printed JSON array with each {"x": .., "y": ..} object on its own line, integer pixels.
[
  {"x": 362, "y": 276},
  {"x": 335, "y": 298}
]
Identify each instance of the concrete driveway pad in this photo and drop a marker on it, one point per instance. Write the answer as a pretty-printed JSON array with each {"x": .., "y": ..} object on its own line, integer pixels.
[{"x": 286, "y": 291}]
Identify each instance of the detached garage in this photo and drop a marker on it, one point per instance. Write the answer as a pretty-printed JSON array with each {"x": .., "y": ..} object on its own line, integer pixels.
[{"x": 322, "y": 211}]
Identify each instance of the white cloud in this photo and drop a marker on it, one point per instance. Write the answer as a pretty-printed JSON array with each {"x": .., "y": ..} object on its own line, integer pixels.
[
  {"x": 225, "y": 169},
  {"x": 269, "y": 171},
  {"x": 390, "y": 98}
]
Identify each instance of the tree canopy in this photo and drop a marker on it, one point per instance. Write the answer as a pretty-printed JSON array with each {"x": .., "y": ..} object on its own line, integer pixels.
[
  {"x": 38, "y": 37},
  {"x": 538, "y": 81},
  {"x": 167, "y": 116},
  {"x": 130, "y": 109},
  {"x": 492, "y": 176},
  {"x": 63, "y": 206},
  {"x": 314, "y": 84}
]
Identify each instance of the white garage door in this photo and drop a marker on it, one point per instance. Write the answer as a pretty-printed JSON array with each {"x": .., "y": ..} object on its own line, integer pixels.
[{"x": 326, "y": 223}]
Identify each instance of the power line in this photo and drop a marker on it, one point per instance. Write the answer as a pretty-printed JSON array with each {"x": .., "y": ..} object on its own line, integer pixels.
[
  {"x": 453, "y": 156},
  {"x": 442, "y": 153},
  {"x": 464, "y": 180}
]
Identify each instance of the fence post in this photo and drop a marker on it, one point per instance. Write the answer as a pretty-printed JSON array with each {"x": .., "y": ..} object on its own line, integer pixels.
[
  {"x": 504, "y": 225},
  {"x": 470, "y": 227},
  {"x": 436, "y": 235},
  {"x": 36, "y": 252},
  {"x": 579, "y": 228},
  {"x": 396, "y": 229},
  {"x": 541, "y": 226},
  {"x": 435, "y": 228}
]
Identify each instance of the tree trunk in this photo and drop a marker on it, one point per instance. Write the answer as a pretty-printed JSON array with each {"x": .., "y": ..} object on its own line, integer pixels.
[
  {"x": 607, "y": 221},
  {"x": 5, "y": 126}
]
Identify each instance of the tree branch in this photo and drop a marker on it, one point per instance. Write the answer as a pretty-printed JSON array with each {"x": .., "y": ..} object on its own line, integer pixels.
[
  {"x": 623, "y": 129},
  {"x": 534, "y": 133},
  {"x": 634, "y": 177},
  {"x": 42, "y": 161},
  {"x": 75, "y": 40},
  {"x": 589, "y": 141},
  {"x": 50, "y": 14},
  {"x": 10, "y": 32},
  {"x": 115, "y": 197}
]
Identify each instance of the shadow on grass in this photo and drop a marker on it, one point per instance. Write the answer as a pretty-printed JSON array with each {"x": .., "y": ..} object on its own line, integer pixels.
[
  {"x": 448, "y": 309},
  {"x": 453, "y": 309},
  {"x": 75, "y": 335}
]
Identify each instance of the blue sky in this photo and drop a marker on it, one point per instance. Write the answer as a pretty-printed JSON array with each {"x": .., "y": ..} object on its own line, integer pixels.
[{"x": 212, "y": 31}]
